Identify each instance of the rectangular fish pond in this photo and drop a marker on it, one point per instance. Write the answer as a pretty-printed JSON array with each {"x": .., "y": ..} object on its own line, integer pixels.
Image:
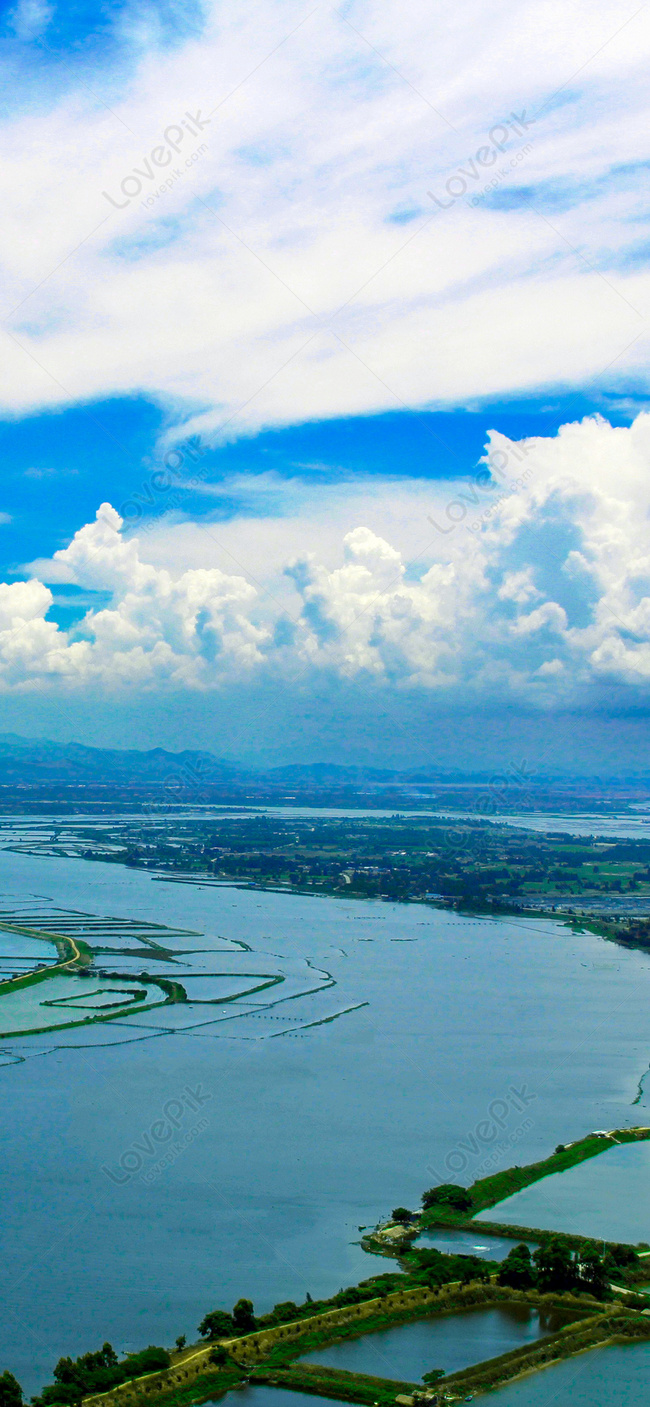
[
  {"x": 615, "y": 1376},
  {"x": 256, "y": 1395},
  {"x": 447, "y": 1341},
  {"x": 469, "y": 1243}
]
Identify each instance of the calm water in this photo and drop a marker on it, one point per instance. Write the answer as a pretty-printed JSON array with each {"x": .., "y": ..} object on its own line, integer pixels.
[
  {"x": 269, "y": 1397},
  {"x": 583, "y": 824},
  {"x": 605, "y": 1377},
  {"x": 435, "y": 1025},
  {"x": 607, "y": 1196},
  {"x": 469, "y": 1243},
  {"x": 450, "y": 1342}
]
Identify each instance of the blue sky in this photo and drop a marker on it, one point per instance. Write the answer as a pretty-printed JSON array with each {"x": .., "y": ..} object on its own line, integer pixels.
[
  {"x": 400, "y": 313},
  {"x": 59, "y": 467}
]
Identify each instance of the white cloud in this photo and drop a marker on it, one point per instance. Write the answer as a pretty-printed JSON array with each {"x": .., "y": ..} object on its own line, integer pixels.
[
  {"x": 270, "y": 282},
  {"x": 30, "y": 19},
  {"x": 543, "y": 597}
]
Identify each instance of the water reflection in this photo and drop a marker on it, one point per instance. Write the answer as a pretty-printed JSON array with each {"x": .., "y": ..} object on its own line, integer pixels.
[
  {"x": 617, "y": 1376},
  {"x": 450, "y": 1342},
  {"x": 468, "y": 1243}
]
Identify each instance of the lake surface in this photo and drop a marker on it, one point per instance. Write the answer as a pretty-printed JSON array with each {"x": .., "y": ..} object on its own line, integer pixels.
[
  {"x": 607, "y": 1196},
  {"x": 578, "y": 824},
  {"x": 399, "y": 1047},
  {"x": 605, "y": 1377},
  {"x": 450, "y": 1342}
]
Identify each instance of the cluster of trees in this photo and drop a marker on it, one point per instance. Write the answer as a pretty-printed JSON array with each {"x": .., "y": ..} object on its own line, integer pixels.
[
  {"x": 220, "y": 1324},
  {"x": 75, "y": 1378},
  {"x": 11, "y": 1393},
  {"x": 553, "y": 1266},
  {"x": 436, "y": 1268},
  {"x": 447, "y": 1194}
]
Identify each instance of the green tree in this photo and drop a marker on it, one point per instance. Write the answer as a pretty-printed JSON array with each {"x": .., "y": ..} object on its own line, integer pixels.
[
  {"x": 433, "y": 1376},
  {"x": 11, "y": 1393},
  {"x": 447, "y": 1194},
  {"x": 243, "y": 1317},
  {"x": 402, "y": 1214},
  {"x": 517, "y": 1270},
  {"x": 76, "y": 1377},
  {"x": 284, "y": 1311},
  {"x": 148, "y": 1360},
  {"x": 592, "y": 1276},
  {"x": 556, "y": 1269},
  {"x": 181, "y": 1342},
  {"x": 218, "y": 1324}
]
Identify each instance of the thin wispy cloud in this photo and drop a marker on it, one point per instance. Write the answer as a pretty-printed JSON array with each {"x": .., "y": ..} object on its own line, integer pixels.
[{"x": 256, "y": 266}]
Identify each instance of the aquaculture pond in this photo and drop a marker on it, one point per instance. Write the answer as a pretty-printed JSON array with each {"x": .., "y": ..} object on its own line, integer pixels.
[
  {"x": 469, "y": 1243},
  {"x": 20, "y": 954},
  {"x": 617, "y": 1376},
  {"x": 448, "y": 1341},
  {"x": 333, "y": 1058},
  {"x": 271, "y": 1397},
  {"x": 607, "y": 1196}
]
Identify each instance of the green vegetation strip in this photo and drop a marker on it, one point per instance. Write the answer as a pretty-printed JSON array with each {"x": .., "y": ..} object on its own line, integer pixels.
[
  {"x": 488, "y": 1191},
  {"x": 450, "y": 1300},
  {"x": 85, "y": 1021},
  {"x": 205, "y": 1387},
  {"x": 71, "y": 951},
  {"x": 571, "y": 1239},
  {"x": 335, "y": 1382}
]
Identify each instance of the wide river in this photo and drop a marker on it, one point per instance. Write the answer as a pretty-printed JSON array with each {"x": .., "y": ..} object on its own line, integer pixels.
[{"x": 429, "y": 1034}]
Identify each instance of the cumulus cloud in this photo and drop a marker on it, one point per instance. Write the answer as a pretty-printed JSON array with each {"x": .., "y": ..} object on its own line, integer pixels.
[
  {"x": 541, "y": 594},
  {"x": 211, "y": 275},
  {"x": 185, "y": 630}
]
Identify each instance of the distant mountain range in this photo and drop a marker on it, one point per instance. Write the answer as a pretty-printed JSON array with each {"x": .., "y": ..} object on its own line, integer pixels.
[
  {"x": 30, "y": 760},
  {"x": 72, "y": 771}
]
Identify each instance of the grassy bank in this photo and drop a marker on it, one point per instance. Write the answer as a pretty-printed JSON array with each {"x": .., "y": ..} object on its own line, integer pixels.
[
  {"x": 615, "y": 1326},
  {"x": 454, "y": 1300},
  {"x": 70, "y": 951},
  {"x": 85, "y": 1021},
  {"x": 334, "y": 1382},
  {"x": 488, "y": 1191},
  {"x": 588, "y": 1331},
  {"x": 572, "y": 1239},
  {"x": 206, "y": 1387}
]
